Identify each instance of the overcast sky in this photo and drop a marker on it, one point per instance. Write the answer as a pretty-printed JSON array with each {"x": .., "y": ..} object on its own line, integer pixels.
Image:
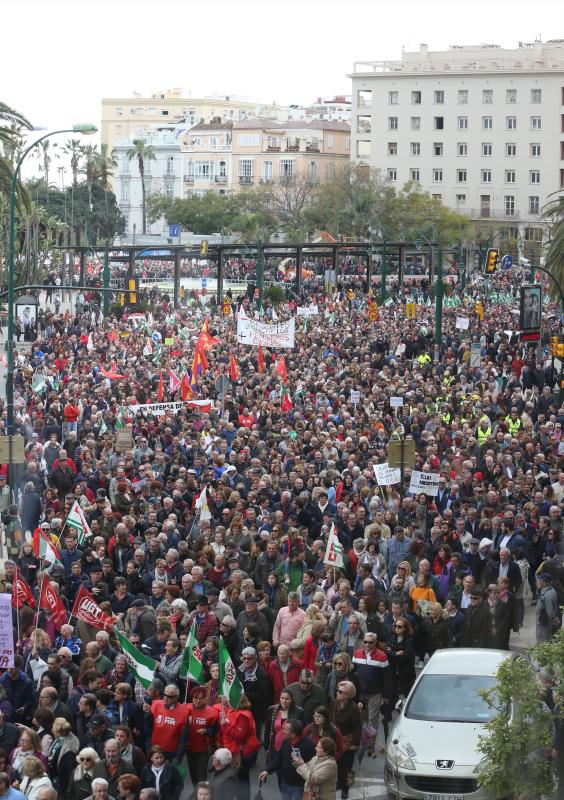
[{"x": 63, "y": 56}]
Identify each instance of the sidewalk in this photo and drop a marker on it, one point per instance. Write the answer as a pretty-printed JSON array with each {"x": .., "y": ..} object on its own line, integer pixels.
[{"x": 525, "y": 639}]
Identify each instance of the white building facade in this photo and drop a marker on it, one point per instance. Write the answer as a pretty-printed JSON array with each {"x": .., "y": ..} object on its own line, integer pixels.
[{"x": 481, "y": 128}]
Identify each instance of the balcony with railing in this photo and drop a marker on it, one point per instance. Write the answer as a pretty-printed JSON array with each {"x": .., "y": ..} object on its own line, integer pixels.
[
  {"x": 312, "y": 148},
  {"x": 207, "y": 148},
  {"x": 188, "y": 179},
  {"x": 491, "y": 213},
  {"x": 246, "y": 179},
  {"x": 221, "y": 178}
]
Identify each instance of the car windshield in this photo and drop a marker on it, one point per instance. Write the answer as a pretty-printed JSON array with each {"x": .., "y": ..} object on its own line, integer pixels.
[{"x": 451, "y": 698}]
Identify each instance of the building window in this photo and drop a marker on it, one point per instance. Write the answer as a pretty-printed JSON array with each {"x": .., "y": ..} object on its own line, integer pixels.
[
  {"x": 347, "y": 142},
  {"x": 416, "y": 98},
  {"x": 267, "y": 170},
  {"x": 511, "y": 123},
  {"x": 119, "y": 111},
  {"x": 460, "y": 201},
  {"x": 536, "y": 95},
  {"x": 438, "y": 197},
  {"x": 392, "y": 148},
  {"x": 393, "y": 98},
  {"x": 533, "y": 234},
  {"x": 510, "y": 149},
  {"x": 463, "y": 96},
  {"x": 485, "y": 200},
  {"x": 509, "y": 202},
  {"x": 124, "y": 194},
  {"x": 462, "y": 123},
  {"x": 534, "y": 204},
  {"x": 511, "y": 96},
  {"x": 439, "y": 96},
  {"x": 164, "y": 112},
  {"x": 438, "y": 148},
  {"x": 462, "y": 149},
  {"x": 487, "y": 149},
  {"x": 392, "y": 174},
  {"x": 312, "y": 170},
  {"x": 439, "y": 123},
  {"x": 461, "y": 176},
  {"x": 535, "y": 150},
  {"x": 363, "y": 148},
  {"x": 330, "y": 140},
  {"x": 487, "y": 96},
  {"x": 414, "y": 175},
  {"x": 509, "y": 176},
  {"x": 286, "y": 167},
  {"x": 330, "y": 171},
  {"x": 364, "y": 98},
  {"x": 534, "y": 176},
  {"x": 486, "y": 176},
  {"x": 245, "y": 168},
  {"x": 392, "y": 123},
  {"x": 437, "y": 176},
  {"x": 415, "y": 148},
  {"x": 536, "y": 123},
  {"x": 415, "y": 123},
  {"x": 170, "y": 165},
  {"x": 364, "y": 124},
  {"x": 248, "y": 140},
  {"x": 487, "y": 123}
]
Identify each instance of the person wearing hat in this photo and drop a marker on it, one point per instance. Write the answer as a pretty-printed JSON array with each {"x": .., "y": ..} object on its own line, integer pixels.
[
  {"x": 473, "y": 559},
  {"x": 546, "y": 611},
  {"x": 206, "y": 621},
  {"x": 99, "y": 732},
  {"x": 5, "y": 494},
  {"x": 217, "y": 606},
  {"x": 477, "y": 622},
  {"x": 203, "y": 723},
  {"x": 252, "y": 614}
]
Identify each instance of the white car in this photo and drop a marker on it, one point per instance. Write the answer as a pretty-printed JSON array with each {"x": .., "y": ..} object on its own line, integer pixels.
[{"x": 432, "y": 749}]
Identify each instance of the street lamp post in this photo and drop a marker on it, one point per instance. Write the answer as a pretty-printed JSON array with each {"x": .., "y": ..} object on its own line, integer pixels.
[{"x": 84, "y": 129}]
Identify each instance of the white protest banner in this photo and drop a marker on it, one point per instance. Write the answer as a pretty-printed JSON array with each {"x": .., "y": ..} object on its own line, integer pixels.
[
  {"x": 386, "y": 475},
  {"x": 334, "y": 552},
  {"x": 6, "y": 632},
  {"x": 424, "y": 483},
  {"x": 254, "y": 332},
  {"x": 462, "y": 323},
  {"x": 355, "y": 397},
  {"x": 307, "y": 311},
  {"x": 156, "y": 409},
  {"x": 475, "y": 354},
  {"x": 396, "y": 402}
]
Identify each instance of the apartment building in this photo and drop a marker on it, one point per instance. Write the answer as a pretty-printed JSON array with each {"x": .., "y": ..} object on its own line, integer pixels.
[
  {"x": 480, "y": 127},
  {"x": 229, "y": 158},
  {"x": 125, "y": 118}
]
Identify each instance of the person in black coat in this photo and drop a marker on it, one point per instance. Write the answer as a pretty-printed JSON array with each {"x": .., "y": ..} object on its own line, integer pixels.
[
  {"x": 500, "y": 620},
  {"x": 32, "y": 508},
  {"x": 256, "y": 686},
  {"x": 506, "y": 566},
  {"x": 455, "y": 619},
  {"x": 170, "y": 783},
  {"x": 436, "y": 630},
  {"x": 401, "y": 655},
  {"x": 477, "y": 622}
]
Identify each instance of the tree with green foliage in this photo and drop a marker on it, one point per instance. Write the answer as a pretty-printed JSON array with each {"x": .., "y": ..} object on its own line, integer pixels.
[
  {"x": 93, "y": 210},
  {"x": 554, "y": 212},
  {"x": 518, "y": 738},
  {"x": 73, "y": 149},
  {"x": 142, "y": 152},
  {"x": 12, "y": 126}
]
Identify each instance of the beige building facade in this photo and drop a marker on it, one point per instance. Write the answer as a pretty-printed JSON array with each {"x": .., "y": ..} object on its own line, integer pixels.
[{"x": 231, "y": 157}]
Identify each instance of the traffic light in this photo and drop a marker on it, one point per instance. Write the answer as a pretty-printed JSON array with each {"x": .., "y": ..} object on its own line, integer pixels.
[
  {"x": 560, "y": 353},
  {"x": 204, "y": 248},
  {"x": 554, "y": 343},
  {"x": 491, "y": 260},
  {"x": 479, "y": 310}
]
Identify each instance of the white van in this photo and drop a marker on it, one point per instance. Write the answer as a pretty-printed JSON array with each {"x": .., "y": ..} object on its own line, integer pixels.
[{"x": 432, "y": 749}]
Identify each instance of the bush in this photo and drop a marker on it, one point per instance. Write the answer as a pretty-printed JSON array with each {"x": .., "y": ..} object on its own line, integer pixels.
[{"x": 275, "y": 294}]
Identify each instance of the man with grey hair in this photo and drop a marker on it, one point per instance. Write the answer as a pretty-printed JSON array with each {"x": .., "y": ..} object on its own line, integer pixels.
[
  {"x": 256, "y": 685},
  {"x": 223, "y": 778},
  {"x": 112, "y": 766},
  {"x": 170, "y": 729}
]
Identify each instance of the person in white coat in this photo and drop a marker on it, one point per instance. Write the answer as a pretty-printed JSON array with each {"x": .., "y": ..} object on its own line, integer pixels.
[{"x": 34, "y": 778}]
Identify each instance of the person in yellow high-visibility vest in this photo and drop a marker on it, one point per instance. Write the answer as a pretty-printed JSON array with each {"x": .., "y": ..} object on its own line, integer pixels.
[
  {"x": 483, "y": 431},
  {"x": 423, "y": 358},
  {"x": 513, "y": 422}
]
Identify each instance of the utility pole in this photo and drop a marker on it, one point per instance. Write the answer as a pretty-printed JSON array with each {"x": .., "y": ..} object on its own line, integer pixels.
[
  {"x": 383, "y": 273},
  {"x": 260, "y": 273},
  {"x": 439, "y": 291},
  {"x": 106, "y": 279}
]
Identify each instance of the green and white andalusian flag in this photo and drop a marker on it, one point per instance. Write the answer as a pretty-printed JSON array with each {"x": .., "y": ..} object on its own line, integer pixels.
[
  {"x": 77, "y": 520},
  {"x": 191, "y": 665},
  {"x": 140, "y": 665},
  {"x": 229, "y": 685}
]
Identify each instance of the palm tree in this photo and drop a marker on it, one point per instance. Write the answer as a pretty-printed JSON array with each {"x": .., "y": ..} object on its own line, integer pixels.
[
  {"x": 11, "y": 125},
  {"x": 73, "y": 148},
  {"x": 106, "y": 163},
  {"x": 91, "y": 155},
  {"x": 142, "y": 152},
  {"x": 555, "y": 255}
]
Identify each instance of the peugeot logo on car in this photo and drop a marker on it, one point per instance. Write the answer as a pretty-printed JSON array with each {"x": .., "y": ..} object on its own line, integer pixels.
[{"x": 443, "y": 763}]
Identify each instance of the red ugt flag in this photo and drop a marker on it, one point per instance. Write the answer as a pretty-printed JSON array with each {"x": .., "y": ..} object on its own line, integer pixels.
[
  {"x": 88, "y": 610},
  {"x": 21, "y": 593},
  {"x": 50, "y": 601}
]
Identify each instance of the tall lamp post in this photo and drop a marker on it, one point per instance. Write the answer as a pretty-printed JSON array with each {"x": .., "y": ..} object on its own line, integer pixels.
[
  {"x": 439, "y": 288},
  {"x": 84, "y": 129}
]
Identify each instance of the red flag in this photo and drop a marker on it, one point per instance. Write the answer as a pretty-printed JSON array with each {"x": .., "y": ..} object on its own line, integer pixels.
[
  {"x": 285, "y": 401},
  {"x": 87, "y": 609},
  {"x": 160, "y": 390},
  {"x": 186, "y": 392},
  {"x": 50, "y": 601},
  {"x": 260, "y": 360},
  {"x": 204, "y": 406},
  {"x": 280, "y": 369},
  {"x": 173, "y": 382},
  {"x": 21, "y": 593},
  {"x": 113, "y": 376},
  {"x": 233, "y": 368}
]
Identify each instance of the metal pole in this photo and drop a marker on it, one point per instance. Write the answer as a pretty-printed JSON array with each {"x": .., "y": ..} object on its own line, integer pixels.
[
  {"x": 383, "y": 273},
  {"x": 463, "y": 267},
  {"x": 298, "y": 269},
  {"x": 106, "y": 279},
  {"x": 176, "y": 289},
  {"x": 219, "y": 289},
  {"x": 439, "y": 289},
  {"x": 400, "y": 265},
  {"x": 260, "y": 274},
  {"x": 82, "y": 266},
  {"x": 368, "y": 269}
]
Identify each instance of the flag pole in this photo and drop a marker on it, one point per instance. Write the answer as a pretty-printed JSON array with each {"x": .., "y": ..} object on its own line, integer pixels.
[{"x": 17, "y": 607}]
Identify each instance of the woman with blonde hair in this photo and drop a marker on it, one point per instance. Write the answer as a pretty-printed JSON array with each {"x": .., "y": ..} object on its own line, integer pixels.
[
  {"x": 312, "y": 615},
  {"x": 80, "y": 782},
  {"x": 62, "y": 755},
  {"x": 34, "y": 778}
]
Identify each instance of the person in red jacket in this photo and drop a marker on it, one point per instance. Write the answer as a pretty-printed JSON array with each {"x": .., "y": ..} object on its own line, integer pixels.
[
  {"x": 206, "y": 621},
  {"x": 283, "y": 670},
  {"x": 170, "y": 730},
  {"x": 71, "y": 413},
  {"x": 203, "y": 724},
  {"x": 238, "y": 733}
]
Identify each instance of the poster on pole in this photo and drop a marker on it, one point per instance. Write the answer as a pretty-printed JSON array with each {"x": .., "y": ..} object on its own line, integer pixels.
[
  {"x": 386, "y": 475},
  {"x": 396, "y": 402},
  {"x": 424, "y": 483},
  {"x": 254, "y": 332},
  {"x": 307, "y": 311},
  {"x": 462, "y": 323},
  {"x": 6, "y": 632},
  {"x": 355, "y": 397}
]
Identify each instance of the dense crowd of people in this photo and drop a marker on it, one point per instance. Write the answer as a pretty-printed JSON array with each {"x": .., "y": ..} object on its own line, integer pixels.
[{"x": 286, "y": 457}]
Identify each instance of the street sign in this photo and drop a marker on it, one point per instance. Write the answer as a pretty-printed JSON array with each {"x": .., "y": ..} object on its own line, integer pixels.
[
  {"x": 410, "y": 311},
  {"x": 226, "y": 307},
  {"x": 475, "y": 354},
  {"x": 507, "y": 261},
  {"x": 174, "y": 231},
  {"x": 222, "y": 385},
  {"x": 17, "y": 450},
  {"x": 401, "y": 453},
  {"x": 373, "y": 312}
]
